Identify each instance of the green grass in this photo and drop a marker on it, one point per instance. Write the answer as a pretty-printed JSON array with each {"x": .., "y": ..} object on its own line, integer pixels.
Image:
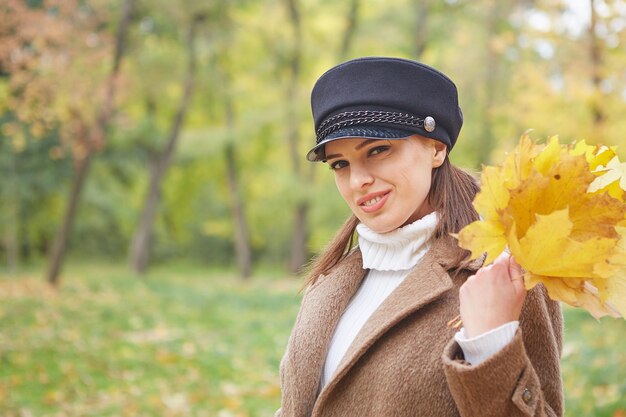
[
  {"x": 181, "y": 342},
  {"x": 187, "y": 341},
  {"x": 594, "y": 365}
]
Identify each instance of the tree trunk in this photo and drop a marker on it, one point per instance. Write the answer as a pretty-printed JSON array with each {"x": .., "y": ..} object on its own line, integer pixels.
[
  {"x": 299, "y": 232},
  {"x": 242, "y": 239},
  {"x": 60, "y": 242},
  {"x": 492, "y": 75},
  {"x": 97, "y": 139},
  {"x": 12, "y": 236},
  {"x": 11, "y": 218},
  {"x": 292, "y": 86},
  {"x": 422, "y": 11},
  {"x": 98, "y": 136},
  {"x": 595, "y": 56},
  {"x": 352, "y": 19},
  {"x": 242, "y": 235},
  {"x": 300, "y": 237},
  {"x": 141, "y": 242}
]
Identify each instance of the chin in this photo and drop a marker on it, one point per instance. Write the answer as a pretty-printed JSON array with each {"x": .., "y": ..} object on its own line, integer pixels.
[{"x": 381, "y": 226}]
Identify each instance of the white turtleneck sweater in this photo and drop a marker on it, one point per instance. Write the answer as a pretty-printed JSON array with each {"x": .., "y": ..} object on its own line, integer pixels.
[{"x": 389, "y": 258}]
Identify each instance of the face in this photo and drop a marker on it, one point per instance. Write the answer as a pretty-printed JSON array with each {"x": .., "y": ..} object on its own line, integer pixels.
[{"x": 385, "y": 182}]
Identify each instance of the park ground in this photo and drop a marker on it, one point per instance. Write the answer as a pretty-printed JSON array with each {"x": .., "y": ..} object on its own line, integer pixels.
[{"x": 189, "y": 341}]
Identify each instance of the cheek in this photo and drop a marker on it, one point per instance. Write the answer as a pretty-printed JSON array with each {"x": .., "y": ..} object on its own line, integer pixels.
[
  {"x": 418, "y": 179},
  {"x": 417, "y": 184},
  {"x": 343, "y": 188}
]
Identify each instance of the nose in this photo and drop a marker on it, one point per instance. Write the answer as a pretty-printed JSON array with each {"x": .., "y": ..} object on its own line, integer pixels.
[{"x": 360, "y": 176}]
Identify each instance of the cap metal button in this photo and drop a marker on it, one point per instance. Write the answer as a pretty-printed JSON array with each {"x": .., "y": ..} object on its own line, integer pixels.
[
  {"x": 429, "y": 124},
  {"x": 527, "y": 396}
]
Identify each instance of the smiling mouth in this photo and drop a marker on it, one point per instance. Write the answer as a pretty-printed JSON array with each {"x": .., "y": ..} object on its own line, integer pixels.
[
  {"x": 374, "y": 203},
  {"x": 376, "y": 197}
]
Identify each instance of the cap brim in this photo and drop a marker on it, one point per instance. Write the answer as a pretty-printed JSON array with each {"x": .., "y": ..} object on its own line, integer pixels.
[{"x": 365, "y": 132}]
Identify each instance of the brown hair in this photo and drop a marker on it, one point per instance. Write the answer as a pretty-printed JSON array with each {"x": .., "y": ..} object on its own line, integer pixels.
[{"x": 451, "y": 193}]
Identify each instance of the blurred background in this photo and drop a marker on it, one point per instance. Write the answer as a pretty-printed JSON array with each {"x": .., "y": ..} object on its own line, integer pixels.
[{"x": 157, "y": 208}]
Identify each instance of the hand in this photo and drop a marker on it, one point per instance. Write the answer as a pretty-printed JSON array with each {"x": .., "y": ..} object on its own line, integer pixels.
[{"x": 493, "y": 296}]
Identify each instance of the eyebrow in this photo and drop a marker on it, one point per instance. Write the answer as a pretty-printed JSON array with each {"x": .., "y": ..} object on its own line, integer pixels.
[{"x": 357, "y": 147}]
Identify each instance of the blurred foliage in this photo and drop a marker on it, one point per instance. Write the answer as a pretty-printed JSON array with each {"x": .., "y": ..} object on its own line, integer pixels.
[
  {"x": 188, "y": 341},
  {"x": 518, "y": 66}
]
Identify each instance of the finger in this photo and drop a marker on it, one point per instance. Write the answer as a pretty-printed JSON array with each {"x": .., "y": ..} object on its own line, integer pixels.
[
  {"x": 515, "y": 272},
  {"x": 515, "y": 269},
  {"x": 518, "y": 282},
  {"x": 503, "y": 258}
]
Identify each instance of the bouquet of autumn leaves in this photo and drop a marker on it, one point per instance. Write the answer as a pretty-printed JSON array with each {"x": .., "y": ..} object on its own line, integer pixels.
[{"x": 561, "y": 211}]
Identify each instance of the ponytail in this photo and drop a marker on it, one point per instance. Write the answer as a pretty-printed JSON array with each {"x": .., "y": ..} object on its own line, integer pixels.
[
  {"x": 337, "y": 249},
  {"x": 452, "y": 191}
]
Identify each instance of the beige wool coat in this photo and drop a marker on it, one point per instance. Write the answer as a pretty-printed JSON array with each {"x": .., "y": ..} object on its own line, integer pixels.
[{"x": 405, "y": 362}]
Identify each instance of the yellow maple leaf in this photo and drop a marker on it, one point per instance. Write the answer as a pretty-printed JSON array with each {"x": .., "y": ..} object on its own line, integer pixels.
[
  {"x": 548, "y": 156},
  {"x": 482, "y": 236},
  {"x": 493, "y": 196},
  {"x": 548, "y": 250},
  {"x": 519, "y": 164},
  {"x": 564, "y": 185},
  {"x": 613, "y": 290},
  {"x": 594, "y": 154},
  {"x": 564, "y": 232},
  {"x": 616, "y": 290},
  {"x": 613, "y": 178},
  {"x": 577, "y": 293}
]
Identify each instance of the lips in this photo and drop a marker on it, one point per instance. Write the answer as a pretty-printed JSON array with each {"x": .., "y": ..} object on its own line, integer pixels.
[{"x": 373, "y": 201}]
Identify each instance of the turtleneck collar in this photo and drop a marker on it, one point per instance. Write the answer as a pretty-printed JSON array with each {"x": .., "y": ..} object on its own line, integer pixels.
[{"x": 398, "y": 250}]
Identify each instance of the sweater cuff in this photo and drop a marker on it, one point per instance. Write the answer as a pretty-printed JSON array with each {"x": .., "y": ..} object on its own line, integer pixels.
[{"x": 480, "y": 348}]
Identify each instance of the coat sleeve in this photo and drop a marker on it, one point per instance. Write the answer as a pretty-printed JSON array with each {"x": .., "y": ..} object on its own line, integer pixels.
[{"x": 521, "y": 380}]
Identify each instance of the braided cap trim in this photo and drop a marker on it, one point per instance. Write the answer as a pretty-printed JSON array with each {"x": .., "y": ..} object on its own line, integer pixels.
[{"x": 365, "y": 117}]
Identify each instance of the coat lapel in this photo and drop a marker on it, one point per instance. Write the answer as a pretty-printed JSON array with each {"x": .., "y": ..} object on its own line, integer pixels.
[
  {"x": 321, "y": 309},
  {"x": 425, "y": 283}
]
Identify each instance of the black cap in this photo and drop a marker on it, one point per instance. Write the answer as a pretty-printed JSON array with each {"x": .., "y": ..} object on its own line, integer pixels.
[{"x": 384, "y": 98}]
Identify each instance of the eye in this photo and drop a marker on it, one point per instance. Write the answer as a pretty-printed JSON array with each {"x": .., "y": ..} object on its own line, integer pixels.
[
  {"x": 338, "y": 165},
  {"x": 378, "y": 150}
]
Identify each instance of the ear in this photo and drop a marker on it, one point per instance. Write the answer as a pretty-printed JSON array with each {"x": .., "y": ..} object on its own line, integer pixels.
[{"x": 439, "y": 153}]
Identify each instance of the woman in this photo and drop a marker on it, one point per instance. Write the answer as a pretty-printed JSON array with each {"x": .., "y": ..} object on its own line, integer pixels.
[{"x": 371, "y": 337}]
